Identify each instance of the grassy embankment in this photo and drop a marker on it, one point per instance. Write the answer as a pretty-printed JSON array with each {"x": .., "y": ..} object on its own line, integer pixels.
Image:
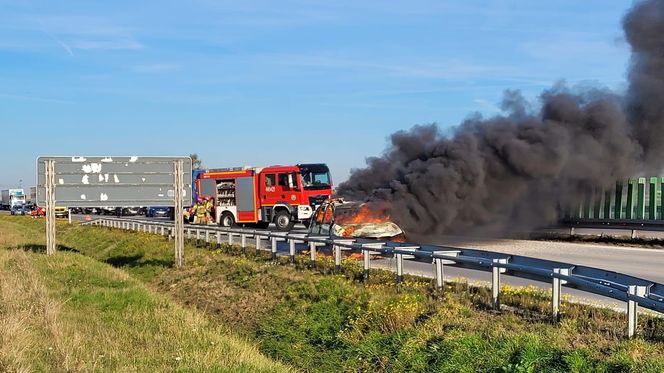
[
  {"x": 318, "y": 321},
  {"x": 73, "y": 313}
]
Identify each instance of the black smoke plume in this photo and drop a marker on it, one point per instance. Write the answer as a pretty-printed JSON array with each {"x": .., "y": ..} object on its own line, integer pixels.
[{"x": 521, "y": 169}]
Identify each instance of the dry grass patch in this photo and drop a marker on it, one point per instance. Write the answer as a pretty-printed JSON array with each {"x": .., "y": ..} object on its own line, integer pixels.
[{"x": 72, "y": 313}]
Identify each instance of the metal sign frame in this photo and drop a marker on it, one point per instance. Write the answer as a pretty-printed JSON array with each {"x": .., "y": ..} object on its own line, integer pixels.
[
  {"x": 111, "y": 181},
  {"x": 176, "y": 170}
]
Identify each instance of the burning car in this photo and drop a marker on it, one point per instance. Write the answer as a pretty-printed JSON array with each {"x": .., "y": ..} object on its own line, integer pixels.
[{"x": 338, "y": 218}]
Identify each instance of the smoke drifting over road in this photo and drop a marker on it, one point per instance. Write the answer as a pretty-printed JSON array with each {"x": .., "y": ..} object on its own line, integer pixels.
[{"x": 518, "y": 169}]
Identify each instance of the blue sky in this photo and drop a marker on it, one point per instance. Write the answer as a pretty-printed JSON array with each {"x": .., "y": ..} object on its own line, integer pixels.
[{"x": 265, "y": 82}]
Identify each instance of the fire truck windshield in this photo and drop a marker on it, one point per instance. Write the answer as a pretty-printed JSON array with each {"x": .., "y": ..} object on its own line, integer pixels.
[
  {"x": 316, "y": 180},
  {"x": 315, "y": 176}
]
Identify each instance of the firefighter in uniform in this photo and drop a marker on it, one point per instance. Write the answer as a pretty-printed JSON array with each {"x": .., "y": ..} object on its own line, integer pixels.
[
  {"x": 200, "y": 212},
  {"x": 209, "y": 205}
]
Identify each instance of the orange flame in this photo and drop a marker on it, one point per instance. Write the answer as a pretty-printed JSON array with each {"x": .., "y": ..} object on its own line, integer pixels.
[{"x": 368, "y": 213}]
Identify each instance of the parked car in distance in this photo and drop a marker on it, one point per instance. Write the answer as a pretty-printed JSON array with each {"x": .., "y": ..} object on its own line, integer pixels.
[
  {"x": 19, "y": 210},
  {"x": 130, "y": 211},
  {"x": 158, "y": 212},
  {"x": 61, "y": 212}
]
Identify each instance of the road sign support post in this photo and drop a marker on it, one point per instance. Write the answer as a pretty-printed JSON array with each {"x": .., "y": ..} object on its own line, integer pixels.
[
  {"x": 179, "y": 224},
  {"x": 50, "y": 205}
]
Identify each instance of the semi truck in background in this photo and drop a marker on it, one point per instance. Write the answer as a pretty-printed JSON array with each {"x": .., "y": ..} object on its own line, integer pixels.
[
  {"x": 12, "y": 197},
  {"x": 258, "y": 196}
]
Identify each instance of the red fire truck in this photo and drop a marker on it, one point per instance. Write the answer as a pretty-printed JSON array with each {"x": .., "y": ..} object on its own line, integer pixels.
[{"x": 259, "y": 196}]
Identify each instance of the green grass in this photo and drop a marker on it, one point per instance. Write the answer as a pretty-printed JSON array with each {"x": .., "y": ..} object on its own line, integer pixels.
[
  {"x": 70, "y": 312},
  {"x": 317, "y": 321}
]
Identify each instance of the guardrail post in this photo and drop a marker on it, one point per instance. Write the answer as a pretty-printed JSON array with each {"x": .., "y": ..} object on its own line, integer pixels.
[
  {"x": 198, "y": 237},
  {"x": 217, "y": 237},
  {"x": 258, "y": 244},
  {"x": 633, "y": 308},
  {"x": 439, "y": 272},
  {"x": 337, "y": 258},
  {"x": 312, "y": 254},
  {"x": 399, "y": 268},
  {"x": 163, "y": 230},
  {"x": 291, "y": 250},
  {"x": 367, "y": 250},
  {"x": 495, "y": 282},
  {"x": 274, "y": 248},
  {"x": 571, "y": 231},
  {"x": 207, "y": 238},
  {"x": 366, "y": 256},
  {"x": 556, "y": 293},
  {"x": 243, "y": 240},
  {"x": 230, "y": 238},
  {"x": 633, "y": 233}
]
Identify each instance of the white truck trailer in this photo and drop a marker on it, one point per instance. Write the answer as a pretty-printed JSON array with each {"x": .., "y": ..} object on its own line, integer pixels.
[{"x": 11, "y": 197}]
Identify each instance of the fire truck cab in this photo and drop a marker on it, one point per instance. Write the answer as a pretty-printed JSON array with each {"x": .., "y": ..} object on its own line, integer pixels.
[{"x": 281, "y": 195}]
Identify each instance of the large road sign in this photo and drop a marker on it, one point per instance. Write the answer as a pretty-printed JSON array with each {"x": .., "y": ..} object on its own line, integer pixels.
[{"x": 94, "y": 181}]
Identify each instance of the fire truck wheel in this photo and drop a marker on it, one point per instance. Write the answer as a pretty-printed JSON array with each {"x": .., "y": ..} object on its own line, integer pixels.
[
  {"x": 227, "y": 220},
  {"x": 283, "y": 221}
]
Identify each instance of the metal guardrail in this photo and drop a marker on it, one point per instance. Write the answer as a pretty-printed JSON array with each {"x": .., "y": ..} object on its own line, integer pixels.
[
  {"x": 632, "y": 225},
  {"x": 632, "y": 290}
]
